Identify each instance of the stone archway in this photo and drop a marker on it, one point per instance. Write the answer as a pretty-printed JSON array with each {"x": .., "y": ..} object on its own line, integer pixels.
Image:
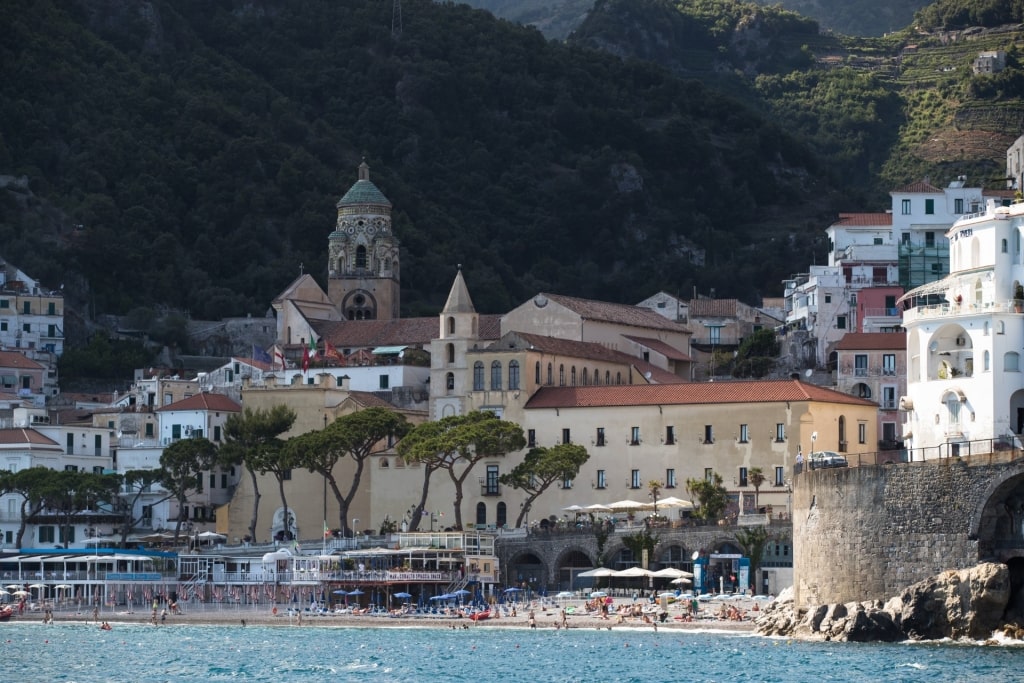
[
  {"x": 571, "y": 561},
  {"x": 999, "y": 530},
  {"x": 526, "y": 570}
]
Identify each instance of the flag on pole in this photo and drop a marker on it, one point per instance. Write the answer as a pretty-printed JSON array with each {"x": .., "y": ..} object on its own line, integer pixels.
[
  {"x": 279, "y": 356},
  {"x": 261, "y": 355},
  {"x": 331, "y": 352},
  {"x": 309, "y": 352},
  {"x": 327, "y": 532}
]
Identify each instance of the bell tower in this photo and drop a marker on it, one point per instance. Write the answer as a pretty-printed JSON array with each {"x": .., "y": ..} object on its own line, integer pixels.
[{"x": 362, "y": 259}]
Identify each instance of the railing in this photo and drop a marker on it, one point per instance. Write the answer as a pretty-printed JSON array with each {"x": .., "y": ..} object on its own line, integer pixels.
[
  {"x": 947, "y": 309},
  {"x": 977, "y": 452}
]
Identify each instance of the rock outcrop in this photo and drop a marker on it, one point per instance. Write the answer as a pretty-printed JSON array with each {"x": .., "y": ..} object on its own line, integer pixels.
[{"x": 968, "y": 603}]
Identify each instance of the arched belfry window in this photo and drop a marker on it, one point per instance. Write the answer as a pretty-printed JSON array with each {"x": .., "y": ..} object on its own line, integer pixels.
[
  {"x": 451, "y": 325},
  {"x": 451, "y": 353},
  {"x": 360, "y": 256}
]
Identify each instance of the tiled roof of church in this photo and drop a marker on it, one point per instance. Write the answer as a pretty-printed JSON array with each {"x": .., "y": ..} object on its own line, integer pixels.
[
  {"x": 364, "y": 191},
  {"x": 661, "y": 347},
  {"x": 625, "y": 314},
  {"x": 761, "y": 391},
  {"x": 720, "y": 308},
  {"x": 203, "y": 401},
  {"x": 409, "y": 331}
]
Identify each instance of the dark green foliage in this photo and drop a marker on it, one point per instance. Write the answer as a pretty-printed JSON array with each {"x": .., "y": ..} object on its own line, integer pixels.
[
  {"x": 960, "y": 14},
  {"x": 106, "y": 358},
  {"x": 756, "y": 355}
]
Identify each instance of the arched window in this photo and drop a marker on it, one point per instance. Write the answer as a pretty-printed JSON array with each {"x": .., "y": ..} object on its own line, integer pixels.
[
  {"x": 985, "y": 329},
  {"x": 572, "y": 376},
  {"x": 1005, "y": 246},
  {"x": 451, "y": 353},
  {"x": 501, "y": 518},
  {"x": 618, "y": 378},
  {"x": 586, "y": 377},
  {"x": 607, "y": 376},
  {"x": 550, "y": 378},
  {"x": 451, "y": 325},
  {"x": 597, "y": 377},
  {"x": 952, "y": 401},
  {"x": 360, "y": 256},
  {"x": 449, "y": 381},
  {"x": 987, "y": 361},
  {"x": 842, "y": 433},
  {"x": 496, "y": 375},
  {"x": 561, "y": 375},
  {"x": 481, "y": 514},
  {"x": 1011, "y": 362},
  {"x": 513, "y": 374},
  {"x": 977, "y": 291},
  {"x": 478, "y": 376},
  {"x": 536, "y": 374}
]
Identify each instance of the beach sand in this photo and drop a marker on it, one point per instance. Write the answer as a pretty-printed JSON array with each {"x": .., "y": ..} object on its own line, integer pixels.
[{"x": 545, "y": 618}]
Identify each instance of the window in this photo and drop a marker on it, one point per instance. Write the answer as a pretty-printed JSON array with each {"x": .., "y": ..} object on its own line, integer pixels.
[
  {"x": 634, "y": 479},
  {"x": 1011, "y": 362},
  {"x": 496, "y": 375},
  {"x": 531, "y": 438},
  {"x": 213, "y": 481},
  {"x": 384, "y": 381},
  {"x": 450, "y": 348},
  {"x": 513, "y": 375},
  {"x": 877, "y": 241},
  {"x": 70, "y": 441},
  {"x": 599, "y": 440},
  {"x": 780, "y": 432},
  {"x": 987, "y": 360},
  {"x": 953, "y": 411},
  {"x": 929, "y": 239},
  {"x": 481, "y": 514},
  {"x": 586, "y": 377},
  {"x": 46, "y": 534},
  {"x": 572, "y": 376},
  {"x": 929, "y": 206},
  {"x": 5, "y": 303},
  {"x": 491, "y": 482},
  {"x": 550, "y": 380},
  {"x": 715, "y": 335},
  {"x": 536, "y": 374},
  {"x": 223, "y": 480},
  {"x": 670, "y": 435},
  {"x": 709, "y": 434},
  {"x": 841, "y": 322},
  {"x": 842, "y": 433},
  {"x": 478, "y": 376},
  {"x": 26, "y": 307},
  {"x": 360, "y": 257},
  {"x": 860, "y": 365},
  {"x": 670, "y": 478},
  {"x": 567, "y": 483},
  {"x": 888, "y": 399},
  {"x": 743, "y": 476},
  {"x": 561, "y": 375},
  {"x": 634, "y": 436},
  {"x": 502, "y": 515},
  {"x": 862, "y": 433},
  {"x": 602, "y": 480},
  {"x": 566, "y": 436},
  {"x": 1005, "y": 246},
  {"x": 905, "y": 205},
  {"x": 958, "y": 206},
  {"x": 779, "y": 478},
  {"x": 451, "y": 325},
  {"x": 97, "y": 445},
  {"x": 3, "y": 326},
  {"x": 828, "y": 298},
  {"x": 449, "y": 382},
  {"x": 709, "y": 474},
  {"x": 889, "y": 364}
]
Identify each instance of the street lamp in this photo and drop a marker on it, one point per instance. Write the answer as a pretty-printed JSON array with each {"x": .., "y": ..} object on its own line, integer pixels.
[{"x": 355, "y": 532}]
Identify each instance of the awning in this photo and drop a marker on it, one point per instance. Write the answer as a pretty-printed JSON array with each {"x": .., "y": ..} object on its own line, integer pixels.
[
  {"x": 388, "y": 350},
  {"x": 937, "y": 287}
]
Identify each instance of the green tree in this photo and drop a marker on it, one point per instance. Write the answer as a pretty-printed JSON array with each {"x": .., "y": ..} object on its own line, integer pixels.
[
  {"x": 244, "y": 436},
  {"x": 356, "y": 436},
  {"x": 754, "y": 539},
  {"x": 654, "y": 491},
  {"x": 273, "y": 457},
  {"x": 136, "y": 484},
  {"x": 540, "y": 468},
  {"x": 756, "y": 477},
  {"x": 70, "y": 493},
  {"x": 31, "y": 484},
  {"x": 710, "y": 495},
  {"x": 639, "y": 542},
  {"x": 455, "y": 444},
  {"x": 181, "y": 470}
]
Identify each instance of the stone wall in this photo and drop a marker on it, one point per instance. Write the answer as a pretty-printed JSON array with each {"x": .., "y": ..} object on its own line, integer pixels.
[{"x": 866, "y": 533}]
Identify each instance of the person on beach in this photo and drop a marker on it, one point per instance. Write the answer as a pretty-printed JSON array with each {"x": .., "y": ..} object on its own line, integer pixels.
[
  {"x": 531, "y": 620},
  {"x": 95, "y": 614},
  {"x": 565, "y": 621}
]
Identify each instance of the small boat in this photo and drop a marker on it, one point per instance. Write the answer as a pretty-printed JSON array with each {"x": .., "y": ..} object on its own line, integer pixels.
[
  {"x": 480, "y": 616},
  {"x": 6, "y": 612}
]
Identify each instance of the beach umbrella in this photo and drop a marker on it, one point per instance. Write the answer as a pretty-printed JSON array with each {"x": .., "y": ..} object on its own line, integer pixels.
[
  {"x": 340, "y": 592},
  {"x": 671, "y": 573},
  {"x": 21, "y": 593},
  {"x": 681, "y": 581},
  {"x": 513, "y": 589},
  {"x": 403, "y": 595},
  {"x": 673, "y": 502},
  {"x": 630, "y": 506},
  {"x": 597, "y": 507},
  {"x": 13, "y": 587},
  {"x": 356, "y": 592},
  {"x": 461, "y": 591},
  {"x": 633, "y": 572},
  {"x": 442, "y": 597},
  {"x": 598, "y": 572}
]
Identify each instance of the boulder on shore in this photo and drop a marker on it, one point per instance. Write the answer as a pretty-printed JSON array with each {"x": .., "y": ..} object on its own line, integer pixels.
[{"x": 967, "y": 603}]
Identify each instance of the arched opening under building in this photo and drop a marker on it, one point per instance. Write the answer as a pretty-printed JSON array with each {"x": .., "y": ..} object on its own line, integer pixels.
[
  {"x": 1000, "y": 534},
  {"x": 571, "y": 564},
  {"x": 526, "y": 571}
]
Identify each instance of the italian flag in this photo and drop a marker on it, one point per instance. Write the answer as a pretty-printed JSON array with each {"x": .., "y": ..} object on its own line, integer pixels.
[{"x": 327, "y": 532}]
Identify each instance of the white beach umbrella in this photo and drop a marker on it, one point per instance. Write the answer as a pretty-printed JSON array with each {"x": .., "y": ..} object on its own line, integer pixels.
[
  {"x": 597, "y": 507},
  {"x": 670, "y": 573},
  {"x": 633, "y": 572},
  {"x": 598, "y": 572},
  {"x": 630, "y": 506},
  {"x": 681, "y": 581},
  {"x": 673, "y": 502}
]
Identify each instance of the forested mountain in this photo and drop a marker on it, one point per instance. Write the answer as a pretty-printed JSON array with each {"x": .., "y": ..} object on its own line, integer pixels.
[
  {"x": 197, "y": 149},
  {"x": 559, "y": 18},
  {"x": 189, "y": 153}
]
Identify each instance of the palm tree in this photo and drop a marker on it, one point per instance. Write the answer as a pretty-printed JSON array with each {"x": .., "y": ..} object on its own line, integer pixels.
[{"x": 756, "y": 477}]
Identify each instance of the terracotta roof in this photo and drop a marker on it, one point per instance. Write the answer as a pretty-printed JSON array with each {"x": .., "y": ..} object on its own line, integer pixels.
[
  {"x": 1002, "y": 193},
  {"x": 763, "y": 391},
  {"x": 25, "y": 436},
  {"x": 204, "y": 401},
  {"x": 867, "y": 219},
  {"x": 661, "y": 347},
  {"x": 624, "y": 314},
  {"x": 872, "y": 341},
  {"x": 370, "y": 400},
  {"x": 920, "y": 186},
  {"x": 13, "y": 359},
  {"x": 718, "y": 308},
  {"x": 408, "y": 331},
  {"x": 575, "y": 349}
]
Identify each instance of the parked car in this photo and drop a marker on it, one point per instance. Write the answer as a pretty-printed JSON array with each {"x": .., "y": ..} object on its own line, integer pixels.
[{"x": 826, "y": 459}]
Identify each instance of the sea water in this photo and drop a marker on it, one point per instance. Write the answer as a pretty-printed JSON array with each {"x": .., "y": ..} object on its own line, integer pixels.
[{"x": 141, "y": 652}]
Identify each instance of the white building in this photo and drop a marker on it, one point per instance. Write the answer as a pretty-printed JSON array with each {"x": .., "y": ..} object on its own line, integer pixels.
[{"x": 964, "y": 340}]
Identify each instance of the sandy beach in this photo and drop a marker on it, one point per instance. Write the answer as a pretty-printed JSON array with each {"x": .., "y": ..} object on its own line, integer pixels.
[{"x": 545, "y": 618}]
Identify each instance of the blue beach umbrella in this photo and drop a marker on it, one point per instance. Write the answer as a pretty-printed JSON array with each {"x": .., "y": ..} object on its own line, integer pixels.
[
  {"x": 356, "y": 592},
  {"x": 340, "y": 592},
  {"x": 403, "y": 595}
]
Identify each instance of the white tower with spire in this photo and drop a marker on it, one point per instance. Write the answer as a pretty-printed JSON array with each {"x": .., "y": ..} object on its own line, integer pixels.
[{"x": 459, "y": 332}]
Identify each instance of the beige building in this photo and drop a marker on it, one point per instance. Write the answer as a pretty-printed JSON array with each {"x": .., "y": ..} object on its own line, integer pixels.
[{"x": 874, "y": 366}]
